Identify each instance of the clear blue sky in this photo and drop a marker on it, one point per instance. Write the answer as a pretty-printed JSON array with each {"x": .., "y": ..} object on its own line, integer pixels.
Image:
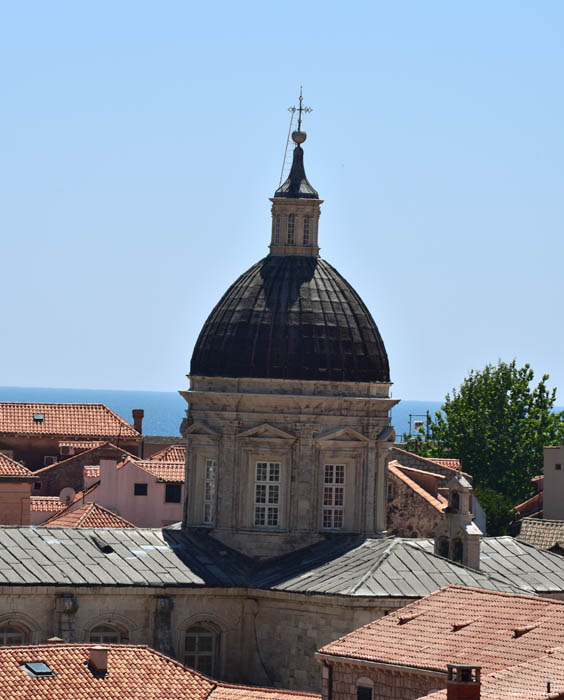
[{"x": 140, "y": 142}]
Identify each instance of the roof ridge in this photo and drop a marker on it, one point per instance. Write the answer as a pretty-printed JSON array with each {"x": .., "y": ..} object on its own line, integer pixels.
[
  {"x": 435, "y": 501},
  {"x": 385, "y": 554},
  {"x": 285, "y": 691}
]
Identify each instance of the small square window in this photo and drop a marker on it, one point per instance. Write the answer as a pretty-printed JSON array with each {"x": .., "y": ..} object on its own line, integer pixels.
[
  {"x": 37, "y": 669},
  {"x": 172, "y": 493},
  {"x": 37, "y": 485},
  {"x": 558, "y": 467},
  {"x": 38, "y": 417},
  {"x": 139, "y": 489}
]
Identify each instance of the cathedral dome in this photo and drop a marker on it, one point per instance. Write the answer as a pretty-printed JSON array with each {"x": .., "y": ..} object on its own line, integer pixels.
[{"x": 291, "y": 317}]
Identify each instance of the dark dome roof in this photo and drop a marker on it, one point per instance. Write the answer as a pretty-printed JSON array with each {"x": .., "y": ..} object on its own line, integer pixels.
[{"x": 291, "y": 317}]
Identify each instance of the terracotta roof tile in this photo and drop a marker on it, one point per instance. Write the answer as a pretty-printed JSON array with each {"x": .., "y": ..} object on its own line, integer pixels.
[
  {"x": 87, "y": 515},
  {"x": 225, "y": 691},
  {"x": 447, "y": 462},
  {"x": 9, "y": 467},
  {"x": 542, "y": 533},
  {"x": 81, "y": 445},
  {"x": 92, "y": 472},
  {"x": 526, "y": 681},
  {"x": 439, "y": 503},
  {"x": 163, "y": 471},
  {"x": 134, "y": 673},
  {"x": 172, "y": 453},
  {"x": 81, "y": 420},
  {"x": 81, "y": 456},
  {"x": 42, "y": 504},
  {"x": 423, "y": 634},
  {"x": 531, "y": 507}
]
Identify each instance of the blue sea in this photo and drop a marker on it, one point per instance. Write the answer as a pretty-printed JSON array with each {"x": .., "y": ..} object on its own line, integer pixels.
[{"x": 164, "y": 410}]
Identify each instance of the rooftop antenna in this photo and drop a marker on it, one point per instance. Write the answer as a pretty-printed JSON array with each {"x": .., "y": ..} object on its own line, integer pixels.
[{"x": 300, "y": 110}]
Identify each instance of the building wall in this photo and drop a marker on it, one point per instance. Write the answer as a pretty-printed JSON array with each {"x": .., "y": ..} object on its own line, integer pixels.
[
  {"x": 30, "y": 450},
  {"x": 553, "y": 489},
  {"x": 116, "y": 492},
  {"x": 265, "y": 637},
  {"x": 301, "y": 425},
  {"x": 408, "y": 513},
  {"x": 14, "y": 502},
  {"x": 399, "y": 683}
]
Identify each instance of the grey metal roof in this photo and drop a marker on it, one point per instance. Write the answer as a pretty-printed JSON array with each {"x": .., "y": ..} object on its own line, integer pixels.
[
  {"x": 114, "y": 557},
  {"x": 390, "y": 567},
  {"x": 340, "y": 565},
  {"x": 532, "y": 569}
]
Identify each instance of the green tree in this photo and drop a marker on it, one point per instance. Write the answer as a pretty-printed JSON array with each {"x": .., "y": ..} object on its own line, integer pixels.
[{"x": 497, "y": 424}]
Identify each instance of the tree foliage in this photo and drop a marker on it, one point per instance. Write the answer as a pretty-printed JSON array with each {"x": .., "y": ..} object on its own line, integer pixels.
[{"x": 497, "y": 424}]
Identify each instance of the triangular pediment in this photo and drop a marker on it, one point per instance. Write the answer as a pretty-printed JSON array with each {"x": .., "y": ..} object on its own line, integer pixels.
[
  {"x": 198, "y": 428},
  {"x": 267, "y": 431},
  {"x": 342, "y": 435}
]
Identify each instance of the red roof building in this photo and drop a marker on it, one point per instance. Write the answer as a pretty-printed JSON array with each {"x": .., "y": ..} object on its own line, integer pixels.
[
  {"x": 87, "y": 515},
  {"x": 42, "y": 433},
  {"x": 410, "y": 648},
  {"x": 15, "y": 491},
  {"x": 61, "y": 671}
]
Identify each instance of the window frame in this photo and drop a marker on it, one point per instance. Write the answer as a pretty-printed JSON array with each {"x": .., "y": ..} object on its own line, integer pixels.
[
  {"x": 268, "y": 486},
  {"x": 24, "y": 634},
  {"x": 208, "y": 513},
  {"x": 140, "y": 486},
  {"x": 177, "y": 491},
  {"x": 335, "y": 491},
  {"x": 205, "y": 630},
  {"x": 106, "y": 626},
  {"x": 291, "y": 229}
]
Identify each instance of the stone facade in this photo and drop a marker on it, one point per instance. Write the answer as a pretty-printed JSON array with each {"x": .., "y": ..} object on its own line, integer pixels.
[
  {"x": 342, "y": 680},
  {"x": 15, "y": 502},
  {"x": 300, "y": 426},
  {"x": 263, "y": 637},
  {"x": 553, "y": 487},
  {"x": 411, "y": 511}
]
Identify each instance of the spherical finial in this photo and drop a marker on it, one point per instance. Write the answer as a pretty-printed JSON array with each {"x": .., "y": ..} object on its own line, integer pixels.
[{"x": 299, "y": 137}]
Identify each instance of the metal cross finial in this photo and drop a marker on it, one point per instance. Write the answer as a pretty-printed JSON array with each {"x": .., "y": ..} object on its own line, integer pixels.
[{"x": 300, "y": 110}]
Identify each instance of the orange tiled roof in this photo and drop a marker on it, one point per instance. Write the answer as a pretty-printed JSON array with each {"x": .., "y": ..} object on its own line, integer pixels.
[
  {"x": 172, "y": 453},
  {"x": 459, "y": 625},
  {"x": 225, "y": 691},
  {"x": 92, "y": 472},
  {"x": 43, "y": 504},
  {"x": 439, "y": 502},
  {"x": 446, "y": 462},
  {"x": 81, "y": 445},
  {"x": 87, "y": 515},
  {"x": 135, "y": 672},
  {"x": 81, "y": 456},
  {"x": 163, "y": 471},
  {"x": 526, "y": 681},
  {"x": 9, "y": 467},
  {"x": 65, "y": 419}
]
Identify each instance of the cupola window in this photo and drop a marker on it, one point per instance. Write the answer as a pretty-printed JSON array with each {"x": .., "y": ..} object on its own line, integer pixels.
[
  {"x": 209, "y": 491},
  {"x": 277, "y": 229},
  {"x": 306, "y": 230},
  {"x": 333, "y": 496},
  {"x": 291, "y": 240},
  {"x": 267, "y": 494}
]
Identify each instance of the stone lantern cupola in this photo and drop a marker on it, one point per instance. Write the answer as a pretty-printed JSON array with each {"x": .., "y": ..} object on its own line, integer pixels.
[
  {"x": 295, "y": 208},
  {"x": 457, "y": 536}
]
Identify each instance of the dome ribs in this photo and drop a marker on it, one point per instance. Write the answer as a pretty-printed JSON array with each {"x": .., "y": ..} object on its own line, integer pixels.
[{"x": 291, "y": 317}]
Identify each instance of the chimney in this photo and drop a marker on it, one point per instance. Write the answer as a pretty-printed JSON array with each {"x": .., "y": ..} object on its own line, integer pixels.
[
  {"x": 463, "y": 682},
  {"x": 138, "y": 414},
  {"x": 55, "y": 640},
  {"x": 98, "y": 659}
]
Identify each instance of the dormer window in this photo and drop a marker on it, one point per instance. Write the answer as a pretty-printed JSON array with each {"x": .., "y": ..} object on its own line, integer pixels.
[
  {"x": 306, "y": 230},
  {"x": 291, "y": 239},
  {"x": 277, "y": 229}
]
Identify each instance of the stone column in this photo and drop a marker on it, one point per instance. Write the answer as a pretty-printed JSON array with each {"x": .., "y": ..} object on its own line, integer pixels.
[
  {"x": 227, "y": 509},
  {"x": 66, "y": 607},
  {"x": 162, "y": 625},
  {"x": 306, "y": 519}
]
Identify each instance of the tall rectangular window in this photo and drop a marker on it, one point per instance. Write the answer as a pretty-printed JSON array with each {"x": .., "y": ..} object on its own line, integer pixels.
[
  {"x": 267, "y": 494},
  {"x": 306, "y": 230},
  {"x": 277, "y": 229},
  {"x": 291, "y": 240},
  {"x": 209, "y": 491},
  {"x": 333, "y": 496}
]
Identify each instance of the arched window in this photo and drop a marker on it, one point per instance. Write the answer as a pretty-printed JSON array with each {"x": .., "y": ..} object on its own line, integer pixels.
[
  {"x": 442, "y": 547},
  {"x": 455, "y": 501},
  {"x": 105, "y": 634},
  {"x": 291, "y": 240},
  {"x": 306, "y": 230},
  {"x": 11, "y": 634},
  {"x": 364, "y": 688},
  {"x": 201, "y": 644},
  {"x": 277, "y": 229},
  {"x": 457, "y": 549}
]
